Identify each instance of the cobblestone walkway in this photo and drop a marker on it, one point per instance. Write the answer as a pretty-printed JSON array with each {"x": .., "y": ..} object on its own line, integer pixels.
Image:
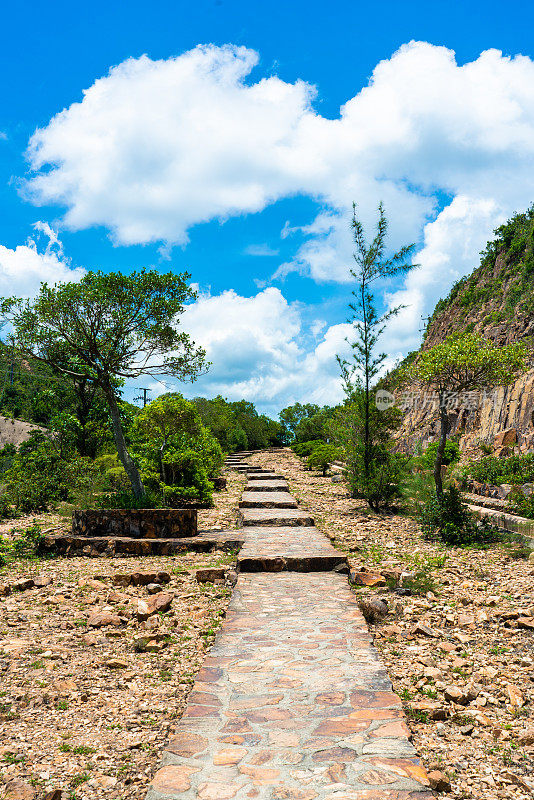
[{"x": 292, "y": 703}]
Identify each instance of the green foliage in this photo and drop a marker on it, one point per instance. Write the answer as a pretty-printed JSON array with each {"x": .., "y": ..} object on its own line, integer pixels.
[
  {"x": 237, "y": 426},
  {"x": 511, "y": 285},
  {"x": 178, "y": 455},
  {"x": 450, "y": 456},
  {"x": 467, "y": 360},
  {"x": 463, "y": 361},
  {"x": 373, "y": 472},
  {"x": 322, "y": 456},
  {"x": 521, "y": 504},
  {"x": 22, "y": 543},
  {"x": 305, "y": 449},
  {"x": 106, "y": 328},
  {"x": 449, "y": 520},
  {"x": 303, "y": 423},
  {"x": 126, "y": 499},
  {"x": 516, "y": 469}
]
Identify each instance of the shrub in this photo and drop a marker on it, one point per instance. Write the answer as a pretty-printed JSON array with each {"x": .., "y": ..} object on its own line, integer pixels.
[
  {"x": 322, "y": 456},
  {"x": 36, "y": 479},
  {"x": 178, "y": 455},
  {"x": 521, "y": 504},
  {"x": 450, "y": 456},
  {"x": 23, "y": 543},
  {"x": 515, "y": 469},
  {"x": 450, "y": 521},
  {"x": 305, "y": 449}
]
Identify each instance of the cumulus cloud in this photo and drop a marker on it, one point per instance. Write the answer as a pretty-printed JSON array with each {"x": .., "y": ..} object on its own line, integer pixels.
[
  {"x": 256, "y": 348},
  {"x": 23, "y": 269},
  {"x": 156, "y": 147}
]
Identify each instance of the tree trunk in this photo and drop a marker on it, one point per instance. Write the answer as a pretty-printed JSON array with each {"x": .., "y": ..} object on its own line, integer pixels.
[
  {"x": 118, "y": 434},
  {"x": 440, "y": 452}
]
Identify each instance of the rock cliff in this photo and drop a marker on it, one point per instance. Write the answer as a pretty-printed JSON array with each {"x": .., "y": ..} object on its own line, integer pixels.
[{"x": 497, "y": 301}]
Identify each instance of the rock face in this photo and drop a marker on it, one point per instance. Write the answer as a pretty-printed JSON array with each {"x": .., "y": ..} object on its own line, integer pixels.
[
  {"x": 496, "y": 301},
  {"x": 145, "y": 523},
  {"x": 15, "y": 431}
]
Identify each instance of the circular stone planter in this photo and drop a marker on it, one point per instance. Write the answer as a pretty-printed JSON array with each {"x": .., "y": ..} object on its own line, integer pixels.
[{"x": 142, "y": 523}]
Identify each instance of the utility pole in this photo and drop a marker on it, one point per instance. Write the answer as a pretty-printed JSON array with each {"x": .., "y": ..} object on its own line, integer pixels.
[{"x": 144, "y": 396}]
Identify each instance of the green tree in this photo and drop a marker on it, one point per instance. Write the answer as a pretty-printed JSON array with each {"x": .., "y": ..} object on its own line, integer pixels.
[
  {"x": 292, "y": 417},
  {"x": 177, "y": 452},
  {"x": 365, "y": 362},
  {"x": 108, "y": 328},
  {"x": 463, "y": 362},
  {"x": 379, "y": 484},
  {"x": 323, "y": 455}
]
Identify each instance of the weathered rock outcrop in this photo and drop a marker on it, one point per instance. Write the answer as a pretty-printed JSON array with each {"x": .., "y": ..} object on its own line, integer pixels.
[{"x": 496, "y": 301}]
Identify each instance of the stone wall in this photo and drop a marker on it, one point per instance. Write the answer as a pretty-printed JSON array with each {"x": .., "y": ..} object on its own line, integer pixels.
[{"x": 145, "y": 523}]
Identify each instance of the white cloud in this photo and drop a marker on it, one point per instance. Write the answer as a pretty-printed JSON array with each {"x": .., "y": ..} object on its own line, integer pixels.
[
  {"x": 260, "y": 250},
  {"x": 256, "y": 348},
  {"x": 451, "y": 247},
  {"x": 156, "y": 147},
  {"x": 23, "y": 269}
]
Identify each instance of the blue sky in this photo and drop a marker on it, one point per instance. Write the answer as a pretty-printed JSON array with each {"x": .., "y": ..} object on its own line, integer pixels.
[{"x": 234, "y": 162}]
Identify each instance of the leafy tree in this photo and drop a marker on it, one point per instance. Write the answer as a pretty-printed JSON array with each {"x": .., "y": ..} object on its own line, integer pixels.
[
  {"x": 177, "y": 452},
  {"x": 108, "y": 328},
  {"x": 238, "y": 425},
  {"x": 323, "y": 455},
  {"x": 379, "y": 483},
  {"x": 463, "y": 362},
  {"x": 360, "y": 370},
  {"x": 292, "y": 416}
]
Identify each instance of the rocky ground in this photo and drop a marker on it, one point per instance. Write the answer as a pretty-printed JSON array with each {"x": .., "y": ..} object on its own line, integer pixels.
[
  {"x": 96, "y": 669},
  {"x": 459, "y": 648}
]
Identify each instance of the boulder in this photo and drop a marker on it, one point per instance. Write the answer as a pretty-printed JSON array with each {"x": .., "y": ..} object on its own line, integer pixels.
[
  {"x": 157, "y": 603},
  {"x": 43, "y": 580},
  {"x": 504, "y": 490},
  {"x": 22, "y": 585},
  {"x": 210, "y": 574},
  {"x": 505, "y": 438},
  {"x": 373, "y": 609},
  {"x": 101, "y": 619},
  {"x": 18, "y": 790},
  {"x": 366, "y": 578},
  {"x": 439, "y": 781}
]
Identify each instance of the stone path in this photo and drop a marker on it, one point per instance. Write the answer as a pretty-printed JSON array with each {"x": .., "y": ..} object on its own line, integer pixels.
[{"x": 292, "y": 703}]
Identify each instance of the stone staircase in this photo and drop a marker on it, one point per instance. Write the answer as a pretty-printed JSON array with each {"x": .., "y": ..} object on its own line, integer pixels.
[{"x": 292, "y": 702}]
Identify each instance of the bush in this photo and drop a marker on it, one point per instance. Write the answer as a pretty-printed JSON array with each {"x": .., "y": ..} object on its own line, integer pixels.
[
  {"x": 36, "y": 479},
  {"x": 521, "y": 504},
  {"x": 178, "y": 455},
  {"x": 23, "y": 543},
  {"x": 322, "y": 456},
  {"x": 127, "y": 500},
  {"x": 515, "y": 469},
  {"x": 305, "y": 449},
  {"x": 450, "y": 521},
  {"x": 450, "y": 456}
]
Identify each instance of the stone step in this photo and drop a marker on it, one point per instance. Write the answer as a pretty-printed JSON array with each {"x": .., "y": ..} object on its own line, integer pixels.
[
  {"x": 267, "y": 500},
  {"x": 298, "y": 549},
  {"x": 285, "y": 516},
  {"x": 291, "y": 702},
  {"x": 265, "y": 476},
  {"x": 266, "y": 486},
  {"x": 203, "y": 542}
]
